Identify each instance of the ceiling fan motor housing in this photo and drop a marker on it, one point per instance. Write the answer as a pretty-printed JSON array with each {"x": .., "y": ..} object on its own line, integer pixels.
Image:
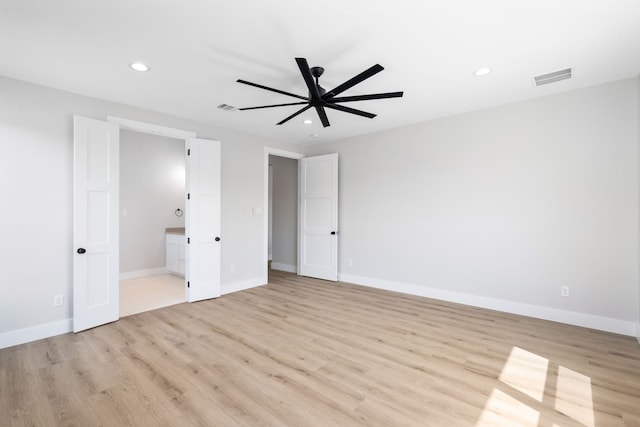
[{"x": 316, "y": 71}]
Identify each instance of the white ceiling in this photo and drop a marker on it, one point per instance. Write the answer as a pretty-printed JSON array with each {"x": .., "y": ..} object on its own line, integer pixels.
[{"x": 197, "y": 49}]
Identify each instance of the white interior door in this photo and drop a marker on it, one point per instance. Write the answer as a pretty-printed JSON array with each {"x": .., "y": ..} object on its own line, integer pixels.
[
  {"x": 203, "y": 219},
  {"x": 95, "y": 234},
  {"x": 318, "y": 254}
]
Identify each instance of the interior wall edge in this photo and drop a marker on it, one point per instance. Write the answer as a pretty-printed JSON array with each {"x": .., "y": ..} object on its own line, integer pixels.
[{"x": 585, "y": 320}]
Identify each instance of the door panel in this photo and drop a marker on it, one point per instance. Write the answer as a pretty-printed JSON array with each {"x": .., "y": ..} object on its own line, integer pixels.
[
  {"x": 203, "y": 219},
  {"x": 95, "y": 236},
  {"x": 319, "y": 217}
]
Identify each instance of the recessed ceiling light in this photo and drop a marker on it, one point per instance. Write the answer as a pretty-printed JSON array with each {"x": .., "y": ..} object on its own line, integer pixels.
[
  {"x": 139, "y": 66},
  {"x": 482, "y": 71},
  {"x": 308, "y": 122}
]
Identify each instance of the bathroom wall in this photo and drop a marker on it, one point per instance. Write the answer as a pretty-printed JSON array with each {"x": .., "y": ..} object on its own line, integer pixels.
[{"x": 152, "y": 187}]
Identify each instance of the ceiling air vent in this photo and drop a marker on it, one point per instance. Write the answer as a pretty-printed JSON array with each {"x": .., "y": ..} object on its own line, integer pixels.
[
  {"x": 556, "y": 76},
  {"x": 227, "y": 107}
]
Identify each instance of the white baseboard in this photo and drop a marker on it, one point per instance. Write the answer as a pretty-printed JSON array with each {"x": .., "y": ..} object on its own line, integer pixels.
[
  {"x": 142, "y": 273},
  {"x": 638, "y": 332},
  {"x": 284, "y": 267},
  {"x": 241, "y": 286},
  {"x": 540, "y": 312},
  {"x": 21, "y": 336}
]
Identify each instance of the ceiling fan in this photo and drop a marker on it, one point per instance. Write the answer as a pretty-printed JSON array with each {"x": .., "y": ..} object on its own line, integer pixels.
[{"x": 320, "y": 99}]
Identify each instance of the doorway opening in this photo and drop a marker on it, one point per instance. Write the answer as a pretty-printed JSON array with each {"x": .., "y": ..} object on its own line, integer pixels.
[
  {"x": 281, "y": 221},
  {"x": 152, "y": 221},
  {"x": 283, "y": 214}
]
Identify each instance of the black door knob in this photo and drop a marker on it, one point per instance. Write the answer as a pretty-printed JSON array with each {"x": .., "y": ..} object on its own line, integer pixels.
[
  {"x": 217, "y": 239},
  {"x": 333, "y": 233},
  {"x": 81, "y": 250}
]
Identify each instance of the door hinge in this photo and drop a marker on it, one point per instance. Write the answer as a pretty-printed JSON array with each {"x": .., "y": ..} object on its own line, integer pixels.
[
  {"x": 188, "y": 151},
  {"x": 188, "y": 240},
  {"x": 188, "y": 284}
]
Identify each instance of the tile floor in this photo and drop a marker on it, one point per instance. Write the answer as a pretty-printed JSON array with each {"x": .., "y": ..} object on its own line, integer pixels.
[{"x": 151, "y": 292}]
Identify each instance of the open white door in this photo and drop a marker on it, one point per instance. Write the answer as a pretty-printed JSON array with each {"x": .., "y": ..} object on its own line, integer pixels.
[
  {"x": 203, "y": 219},
  {"x": 318, "y": 256},
  {"x": 95, "y": 234}
]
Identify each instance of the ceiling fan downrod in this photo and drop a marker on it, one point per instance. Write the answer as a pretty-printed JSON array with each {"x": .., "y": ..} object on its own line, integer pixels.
[{"x": 317, "y": 72}]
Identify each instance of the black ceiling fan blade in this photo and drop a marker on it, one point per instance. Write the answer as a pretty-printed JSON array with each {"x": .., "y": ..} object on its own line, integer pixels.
[
  {"x": 272, "y": 89},
  {"x": 354, "y": 81},
  {"x": 349, "y": 110},
  {"x": 274, "y": 105},
  {"x": 323, "y": 116},
  {"x": 308, "y": 78},
  {"x": 302, "y": 110},
  {"x": 367, "y": 97}
]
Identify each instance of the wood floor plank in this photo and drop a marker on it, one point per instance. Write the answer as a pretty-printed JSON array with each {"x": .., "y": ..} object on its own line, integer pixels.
[{"x": 305, "y": 352}]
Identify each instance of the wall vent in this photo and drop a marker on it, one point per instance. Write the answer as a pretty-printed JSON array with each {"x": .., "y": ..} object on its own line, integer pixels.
[
  {"x": 227, "y": 107},
  {"x": 556, "y": 76}
]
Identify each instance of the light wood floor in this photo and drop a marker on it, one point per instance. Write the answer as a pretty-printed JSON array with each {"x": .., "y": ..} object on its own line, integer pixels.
[
  {"x": 304, "y": 352},
  {"x": 150, "y": 292}
]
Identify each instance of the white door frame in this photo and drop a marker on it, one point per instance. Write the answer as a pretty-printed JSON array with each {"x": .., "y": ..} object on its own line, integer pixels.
[
  {"x": 280, "y": 153},
  {"x": 153, "y": 129}
]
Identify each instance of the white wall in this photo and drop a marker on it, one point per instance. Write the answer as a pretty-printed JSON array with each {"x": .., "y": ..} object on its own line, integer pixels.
[
  {"x": 36, "y": 171},
  {"x": 284, "y": 213},
  {"x": 152, "y": 187},
  {"x": 270, "y": 213},
  {"x": 502, "y": 207},
  {"x": 638, "y": 89}
]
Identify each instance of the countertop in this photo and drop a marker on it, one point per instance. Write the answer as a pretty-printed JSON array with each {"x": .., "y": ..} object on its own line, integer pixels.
[{"x": 174, "y": 230}]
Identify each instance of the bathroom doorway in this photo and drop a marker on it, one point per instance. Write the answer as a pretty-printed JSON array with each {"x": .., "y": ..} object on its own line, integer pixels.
[{"x": 152, "y": 207}]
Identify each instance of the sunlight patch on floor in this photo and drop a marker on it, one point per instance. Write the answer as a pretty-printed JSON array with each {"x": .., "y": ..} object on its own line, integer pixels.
[
  {"x": 504, "y": 410},
  {"x": 528, "y": 373},
  {"x": 574, "y": 396}
]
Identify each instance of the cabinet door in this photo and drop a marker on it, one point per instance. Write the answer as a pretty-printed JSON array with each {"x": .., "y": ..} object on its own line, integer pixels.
[{"x": 172, "y": 254}]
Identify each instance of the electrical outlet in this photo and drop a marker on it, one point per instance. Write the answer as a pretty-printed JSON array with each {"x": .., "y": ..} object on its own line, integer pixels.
[
  {"x": 350, "y": 262},
  {"x": 58, "y": 300},
  {"x": 232, "y": 269},
  {"x": 564, "y": 291}
]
